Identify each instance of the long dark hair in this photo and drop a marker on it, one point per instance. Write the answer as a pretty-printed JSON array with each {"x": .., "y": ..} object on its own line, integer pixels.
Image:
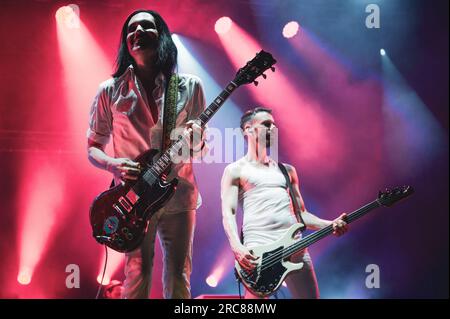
[{"x": 166, "y": 52}]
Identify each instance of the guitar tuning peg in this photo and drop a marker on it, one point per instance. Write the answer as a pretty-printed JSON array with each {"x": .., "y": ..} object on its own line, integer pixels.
[
  {"x": 272, "y": 68},
  {"x": 264, "y": 76},
  {"x": 255, "y": 82}
]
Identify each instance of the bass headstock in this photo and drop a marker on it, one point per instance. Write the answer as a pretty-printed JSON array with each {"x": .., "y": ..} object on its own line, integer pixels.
[{"x": 389, "y": 197}]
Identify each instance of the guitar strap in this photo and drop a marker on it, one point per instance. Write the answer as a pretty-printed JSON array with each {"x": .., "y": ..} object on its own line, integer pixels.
[
  {"x": 170, "y": 111},
  {"x": 297, "y": 209}
]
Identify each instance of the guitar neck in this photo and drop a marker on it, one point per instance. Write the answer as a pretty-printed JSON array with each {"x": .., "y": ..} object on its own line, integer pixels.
[
  {"x": 324, "y": 232},
  {"x": 208, "y": 113},
  {"x": 163, "y": 163}
]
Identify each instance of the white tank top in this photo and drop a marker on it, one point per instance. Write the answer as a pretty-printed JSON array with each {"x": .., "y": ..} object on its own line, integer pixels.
[{"x": 266, "y": 203}]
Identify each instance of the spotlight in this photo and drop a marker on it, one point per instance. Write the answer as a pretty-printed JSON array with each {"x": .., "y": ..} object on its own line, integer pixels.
[
  {"x": 291, "y": 29},
  {"x": 69, "y": 16},
  {"x": 24, "y": 276},
  {"x": 382, "y": 52},
  {"x": 211, "y": 281},
  {"x": 223, "y": 25},
  {"x": 106, "y": 280}
]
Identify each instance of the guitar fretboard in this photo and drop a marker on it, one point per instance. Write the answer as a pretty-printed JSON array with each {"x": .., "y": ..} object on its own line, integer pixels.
[
  {"x": 163, "y": 163},
  {"x": 318, "y": 235}
]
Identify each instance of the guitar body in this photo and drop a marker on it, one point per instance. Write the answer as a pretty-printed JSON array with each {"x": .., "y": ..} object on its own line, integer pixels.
[
  {"x": 120, "y": 215},
  {"x": 272, "y": 266}
]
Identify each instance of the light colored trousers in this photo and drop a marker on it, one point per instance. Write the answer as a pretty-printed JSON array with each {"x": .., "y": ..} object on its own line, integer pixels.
[
  {"x": 175, "y": 232},
  {"x": 302, "y": 284}
]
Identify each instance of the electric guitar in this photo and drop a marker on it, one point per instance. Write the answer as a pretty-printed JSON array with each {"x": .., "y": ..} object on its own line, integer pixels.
[
  {"x": 120, "y": 215},
  {"x": 273, "y": 262}
]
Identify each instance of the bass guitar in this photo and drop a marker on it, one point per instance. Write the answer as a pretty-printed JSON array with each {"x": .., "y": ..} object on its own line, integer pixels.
[{"x": 273, "y": 262}]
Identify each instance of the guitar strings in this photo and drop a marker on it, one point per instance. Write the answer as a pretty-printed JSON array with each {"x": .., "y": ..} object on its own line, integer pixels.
[
  {"x": 272, "y": 260},
  {"x": 350, "y": 218},
  {"x": 316, "y": 236},
  {"x": 310, "y": 239}
]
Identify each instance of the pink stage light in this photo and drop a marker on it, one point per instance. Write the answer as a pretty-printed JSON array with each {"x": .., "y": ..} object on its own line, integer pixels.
[
  {"x": 212, "y": 281},
  {"x": 115, "y": 260},
  {"x": 223, "y": 25},
  {"x": 81, "y": 78},
  {"x": 82, "y": 81},
  {"x": 289, "y": 104},
  {"x": 106, "y": 280},
  {"x": 43, "y": 192},
  {"x": 24, "y": 277},
  {"x": 291, "y": 29},
  {"x": 223, "y": 263},
  {"x": 69, "y": 16}
]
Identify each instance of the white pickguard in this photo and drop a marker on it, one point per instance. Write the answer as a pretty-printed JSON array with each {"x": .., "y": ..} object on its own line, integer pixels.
[{"x": 287, "y": 240}]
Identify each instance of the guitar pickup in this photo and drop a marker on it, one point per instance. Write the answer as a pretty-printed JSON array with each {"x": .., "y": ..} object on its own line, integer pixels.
[
  {"x": 119, "y": 210},
  {"x": 125, "y": 204}
]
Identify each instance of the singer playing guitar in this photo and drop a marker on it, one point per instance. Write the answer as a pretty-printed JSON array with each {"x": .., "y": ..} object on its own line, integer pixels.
[{"x": 130, "y": 106}]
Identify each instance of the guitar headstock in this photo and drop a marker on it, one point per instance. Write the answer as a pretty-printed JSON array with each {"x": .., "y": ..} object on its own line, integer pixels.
[
  {"x": 390, "y": 196},
  {"x": 255, "y": 68}
]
